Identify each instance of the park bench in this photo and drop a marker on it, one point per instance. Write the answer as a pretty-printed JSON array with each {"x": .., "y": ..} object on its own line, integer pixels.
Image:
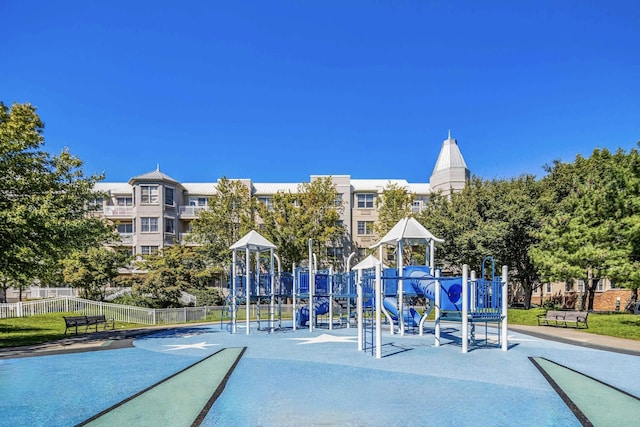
[
  {"x": 73, "y": 322},
  {"x": 564, "y": 318}
]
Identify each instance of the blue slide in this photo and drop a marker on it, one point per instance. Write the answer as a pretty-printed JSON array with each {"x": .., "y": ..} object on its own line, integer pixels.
[
  {"x": 411, "y": 316},
  {"x": 321, "y": 306}
]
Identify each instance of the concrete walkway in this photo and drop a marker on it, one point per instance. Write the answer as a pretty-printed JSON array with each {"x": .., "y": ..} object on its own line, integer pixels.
[{"x": 580, "y": 338}]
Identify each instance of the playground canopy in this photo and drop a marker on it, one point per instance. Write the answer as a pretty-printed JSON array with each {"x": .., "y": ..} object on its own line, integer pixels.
[
  {"x": 368, "y": 262},
  {"x": 410, "y": 231},
  {"x": 253, "y": 241}
]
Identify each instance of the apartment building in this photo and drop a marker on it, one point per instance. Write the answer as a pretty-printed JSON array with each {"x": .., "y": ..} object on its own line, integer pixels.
[{"x": 153, "y": 210}]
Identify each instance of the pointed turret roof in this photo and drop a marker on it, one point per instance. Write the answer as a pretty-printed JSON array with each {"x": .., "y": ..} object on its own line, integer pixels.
[
  {"x": 154, "y": 175},
  {"x": 450, "y": 156}
]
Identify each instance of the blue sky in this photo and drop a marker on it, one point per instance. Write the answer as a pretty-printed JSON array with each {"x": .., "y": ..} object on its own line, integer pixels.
[{"x": 280, "y": 90}]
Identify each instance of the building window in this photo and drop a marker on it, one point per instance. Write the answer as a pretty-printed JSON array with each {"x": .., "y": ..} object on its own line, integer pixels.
[
  {"x": 149, "y": 225},
  {"x": 334, "y": 252},
  {"x": 267, "y": 201},
  {"x": 600, "y": 285},
  {"x": 125, "y": 228},
  {"x": 365, "y": 200},
  {"x": 568, "y": 286},
  {"x": 148, "y": 250},
  {"x": 168, "y": 196},
  {"x": 198, "y": 201},
  {"x": 149, "y": 194},
  {"x": 547, "y": 288},
  {"x": 338, "y": 200},
  {"x": 124, "y": 201},
  {"x": 365, "y": 227},
  {"x": 580, "y": 285},
  {"x": 96, "y": 204},
  {"x": 169, "y": 225}
]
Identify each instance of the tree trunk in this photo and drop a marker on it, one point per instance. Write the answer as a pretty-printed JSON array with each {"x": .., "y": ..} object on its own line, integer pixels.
[{"x": 631, "y": 304}]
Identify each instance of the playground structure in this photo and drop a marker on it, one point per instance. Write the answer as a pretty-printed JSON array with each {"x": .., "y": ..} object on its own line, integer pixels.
[
  {"x": 256, "y": 284},
  {"x": 408, "y": 294}
]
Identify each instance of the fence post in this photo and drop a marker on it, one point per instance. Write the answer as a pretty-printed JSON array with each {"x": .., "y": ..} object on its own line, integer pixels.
[{"x": 19, "y": 309}]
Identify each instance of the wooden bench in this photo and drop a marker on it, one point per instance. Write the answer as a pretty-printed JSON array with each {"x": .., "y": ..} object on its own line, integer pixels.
[
  {"x": 72, "y": 322},
  {"x": 564, "y": 318}
]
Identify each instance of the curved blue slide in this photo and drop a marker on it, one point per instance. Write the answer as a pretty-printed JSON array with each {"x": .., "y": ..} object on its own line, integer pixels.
[
  {"x": 411, "y": 316},
  {"x": 321, "y": 306}
]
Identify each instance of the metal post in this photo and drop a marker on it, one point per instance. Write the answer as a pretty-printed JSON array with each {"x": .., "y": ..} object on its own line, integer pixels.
[
  {"x": 273, "y": 294},
  {"x": 359, "y": 308},
  {"x": 247, "y": 286},
  {"x": 233, "y": 292},
  {"x": 437, "y": 304},
  {"x": 400, "y": 290},
  {"x": 505, "y": 297},
  {"x": 465, "y": 308},
  {"x": 312, "y": 285},
  {"x": 349, "y": 289},
  {"x": 379, "y": 310}
]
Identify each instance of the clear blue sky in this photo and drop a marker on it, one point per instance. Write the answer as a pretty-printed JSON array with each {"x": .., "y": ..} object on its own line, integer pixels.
[{"x": 279, "y": 90}]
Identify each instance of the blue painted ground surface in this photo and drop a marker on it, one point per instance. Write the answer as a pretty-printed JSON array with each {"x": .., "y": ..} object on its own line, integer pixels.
[{"x": 300, "y": 378}]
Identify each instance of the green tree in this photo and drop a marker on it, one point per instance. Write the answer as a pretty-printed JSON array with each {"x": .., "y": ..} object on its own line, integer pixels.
[
  {"x": 171, "y": 272},
  {"x": 92, "y": 270},
  {"x": 593, "y": 214},
  {"x": 393, "y": 204},
  {"x": 43, "y": 201},
  {"x": 497, "y": 218},
  {"x": 312, "y": 213},
  {"x": 229, "y": 217}
]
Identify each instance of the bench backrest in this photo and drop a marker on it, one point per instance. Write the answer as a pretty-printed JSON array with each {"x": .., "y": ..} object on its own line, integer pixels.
[
  {"x": 553, "y": 314},
  {"x": 74, "y": 319},
  {"x": 573, "y": 315}
]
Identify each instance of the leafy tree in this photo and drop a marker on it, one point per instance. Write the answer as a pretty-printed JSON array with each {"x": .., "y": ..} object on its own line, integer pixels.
[
  {"x": 92, "y": 270},
  {"x": 593, "y": 210},
  {"x": 229, "y": 217},
  {"x": 497, "y": 218},
  {"x": 393, "y": 205},
  {"x": 43, "y": 201},
  {"x": 293, "y": 219},
  {"x": 172, "y": 272}
]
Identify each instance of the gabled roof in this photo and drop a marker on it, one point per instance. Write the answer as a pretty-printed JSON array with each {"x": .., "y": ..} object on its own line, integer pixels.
[
  {"x": 450, "y": 156},
  {"x": 154, "y": 175},
  {"x": 368, "y": 262},
  {"x": 254, "y": 242},
  {"x": 408, "y": 230}
]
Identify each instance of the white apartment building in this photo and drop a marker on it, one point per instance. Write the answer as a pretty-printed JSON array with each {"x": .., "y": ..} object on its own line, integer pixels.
[{"x": 153, "y": 210}]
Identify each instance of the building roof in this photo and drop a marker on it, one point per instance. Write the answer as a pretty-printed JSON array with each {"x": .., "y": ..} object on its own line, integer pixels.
[
  {"x": 200, "y": 188},
  {"x": 154, "y": 175},
  {"x": 376, "y": 184},
  {"x": 113, "y": 187},
  {"x": 273, "y": 187},
  {"x": 450, "y": 156}
]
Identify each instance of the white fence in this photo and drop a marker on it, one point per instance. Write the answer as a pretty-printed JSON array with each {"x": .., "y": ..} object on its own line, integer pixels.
[{"x": 119, "y": 312}]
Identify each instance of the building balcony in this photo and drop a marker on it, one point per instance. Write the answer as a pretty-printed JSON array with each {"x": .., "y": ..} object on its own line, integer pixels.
[
  {"x": 191, "y": 211},
  {"x": 118, "y": 211},
  {"x": 125, "y": 239}
]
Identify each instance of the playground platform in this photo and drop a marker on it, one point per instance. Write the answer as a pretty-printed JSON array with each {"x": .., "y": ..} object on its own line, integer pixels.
[{"x": 319, "y": 378}]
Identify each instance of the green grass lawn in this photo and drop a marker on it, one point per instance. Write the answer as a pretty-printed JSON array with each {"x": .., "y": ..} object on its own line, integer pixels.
[
  {"x": 619, "y": 325},
  {"x": 49, "y": 327}
]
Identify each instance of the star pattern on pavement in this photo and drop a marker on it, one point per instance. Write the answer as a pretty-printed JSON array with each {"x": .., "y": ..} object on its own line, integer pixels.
[
  {"x": 324, "y": 338},
  {"x": 200, "y": 346}
]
